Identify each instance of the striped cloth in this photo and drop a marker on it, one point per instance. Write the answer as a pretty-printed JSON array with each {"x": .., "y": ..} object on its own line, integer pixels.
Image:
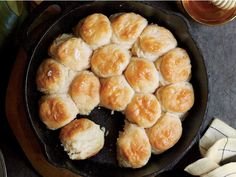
[{"x": 216, "y": 146}]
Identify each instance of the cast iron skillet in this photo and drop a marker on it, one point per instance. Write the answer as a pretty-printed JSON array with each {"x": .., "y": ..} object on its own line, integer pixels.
[{"x": 104, "y": 164}]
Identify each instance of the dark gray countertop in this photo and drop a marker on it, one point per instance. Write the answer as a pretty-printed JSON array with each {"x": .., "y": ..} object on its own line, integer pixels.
[{"x": 218, "y": 46}]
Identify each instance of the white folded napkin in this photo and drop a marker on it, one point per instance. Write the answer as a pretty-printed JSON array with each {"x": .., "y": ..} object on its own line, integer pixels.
[{"x": 217, "y": 144}]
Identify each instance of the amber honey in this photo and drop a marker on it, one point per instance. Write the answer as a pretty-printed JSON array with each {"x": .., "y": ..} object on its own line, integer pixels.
[{"x": 207, "y": 13}]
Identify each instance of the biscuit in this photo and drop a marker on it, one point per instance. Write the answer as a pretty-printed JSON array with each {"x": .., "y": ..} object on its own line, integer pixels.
[
  {"x": 133, "y": 147},
  {"x": 144, "y": 110},
  {"x": 71, "y": 51},
  {"x": 126, "y": 28},
  {"x": 57, "y": 110},
  {"x": 174, "y": 66},
  {"x": 110, "y": 60},
  {"x": 178, "y": 97},
  {"x": 51, "y": 77},
  {"x": 82, "y": 139},
  {"x": 142, "y": 75},
  {"x": 165, "y": 133},
  {"x": 84, "y": 91},
  {"x": 154, "y": 42},
  {"x": 115, "y": 93},
  {"x": 95, "y": 30}
]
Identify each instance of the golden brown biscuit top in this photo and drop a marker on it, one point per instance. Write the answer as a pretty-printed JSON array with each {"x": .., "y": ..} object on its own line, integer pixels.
[
  {"x": 140, "y": 70},
  {"x": 176, "y": 97},
  {"x": 149, "y": 44},
  {"x": 85, "y": 83},
  {"x": 143, "y": 106},
  {"x": 53, "y": 110},
  {"x": 175, "y": 65},
  {"x": 127, "y": 26},
  {"x": 94, "y": 28},
  {"x": 165, "y": 133},
  {"x": 154, "y": 38},
  {"x": 52, "y": 50},
  {"x": 75, "y": 127},
  {"x": 115, "y": 93},
  {"x": 134, "y": 147},
  {"x": 69, "y": 48},
  {"x": 109, "y": 59},
  {"x": 49, "y": 74}
]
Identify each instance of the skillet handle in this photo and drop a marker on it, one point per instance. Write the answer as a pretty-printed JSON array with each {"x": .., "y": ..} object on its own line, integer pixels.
[{"x": 40, "y": 20}]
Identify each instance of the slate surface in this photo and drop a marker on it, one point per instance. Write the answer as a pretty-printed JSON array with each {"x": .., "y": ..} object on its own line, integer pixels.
[{"x": 218, "y": 46}]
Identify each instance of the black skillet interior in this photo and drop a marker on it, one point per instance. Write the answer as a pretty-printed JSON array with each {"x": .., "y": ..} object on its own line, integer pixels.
[{"x": 104, "y": 163}]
